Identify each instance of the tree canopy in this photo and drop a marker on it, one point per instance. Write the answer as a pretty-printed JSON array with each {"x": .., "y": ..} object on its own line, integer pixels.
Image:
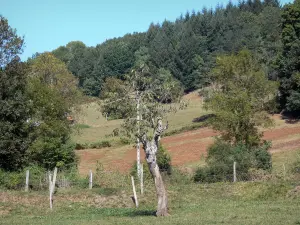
[
  {"x": 241, "y": 97},
  {"x": 187, "y": 47}
]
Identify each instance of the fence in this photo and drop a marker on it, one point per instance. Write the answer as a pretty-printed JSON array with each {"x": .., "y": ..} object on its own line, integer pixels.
[{"x": 34, "y": 181}]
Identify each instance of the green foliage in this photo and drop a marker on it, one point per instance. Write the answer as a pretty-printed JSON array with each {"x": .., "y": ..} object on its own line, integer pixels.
[
  {"x": 117, "y": 92},
  {"x": 11, "y": 44},
  {"x": 288, "y": 63},
  {"x": 15, "y": 109},
  {"x": 164, "y": 160},
  {"x": 241, "y": 98},
  {"x": 222, "y": 155},
  {"x": 16, "y": 179},
  {"x": 50, "y": 128},
  {"x": 99, "y": 144},
  {"x": 186, "y": 47},
  {"x": 14, "y": 105},
  {"x": 51, "y": 152}
]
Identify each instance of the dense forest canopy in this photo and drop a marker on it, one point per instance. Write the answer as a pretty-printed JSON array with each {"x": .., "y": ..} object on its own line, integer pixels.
[{"x": 186, "y": 47}]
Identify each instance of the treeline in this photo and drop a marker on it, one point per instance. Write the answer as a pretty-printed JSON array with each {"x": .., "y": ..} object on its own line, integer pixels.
[
  {"x": 187, "y": 47},
  {"x": 35, "y": 99}
]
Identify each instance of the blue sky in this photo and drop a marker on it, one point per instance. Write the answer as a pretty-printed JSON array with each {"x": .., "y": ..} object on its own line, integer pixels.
[{"x": 47, "y": 25}]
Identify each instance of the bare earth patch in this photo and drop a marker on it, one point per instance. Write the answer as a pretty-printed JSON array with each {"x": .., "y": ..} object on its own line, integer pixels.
[{"x": 184, "y": 148}]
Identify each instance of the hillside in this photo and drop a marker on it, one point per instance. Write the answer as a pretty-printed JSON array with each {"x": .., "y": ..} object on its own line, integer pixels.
[{"x": 187, "y": 149}]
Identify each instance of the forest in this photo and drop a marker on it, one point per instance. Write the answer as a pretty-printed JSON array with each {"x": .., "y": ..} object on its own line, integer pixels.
[{"x": 189, "y": 46}]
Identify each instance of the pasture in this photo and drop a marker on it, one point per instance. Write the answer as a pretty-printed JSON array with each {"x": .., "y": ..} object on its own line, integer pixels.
[
  {"x": 274, "y": 201},
  {"x": 187, "y": 145}
]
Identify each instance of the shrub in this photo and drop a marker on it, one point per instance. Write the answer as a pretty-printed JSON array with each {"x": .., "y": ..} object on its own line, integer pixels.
[
  {"x": 101, "y": 144},
  {"x": 164, "y": 160},
  {"x": 50, "y": 152},
  {"x": 222, "y": 155},
  {"x": 125, "y": 141},
  {"x": 80, "y": 146},
  {"x": 16, "y": 180}
]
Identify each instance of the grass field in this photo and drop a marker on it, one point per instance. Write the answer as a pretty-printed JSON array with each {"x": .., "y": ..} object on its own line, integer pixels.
[
  {"x": 98, "y": 128},
  {"x": 275, "y": 201}
]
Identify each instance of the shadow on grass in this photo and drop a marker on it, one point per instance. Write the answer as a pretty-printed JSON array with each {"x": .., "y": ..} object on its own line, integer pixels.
[
  {"x": 122, "y": 212},
  {"x": 291, "y": 117},
  {"x": 203, "y": 118},
  {"x": 140, "y": 213}
]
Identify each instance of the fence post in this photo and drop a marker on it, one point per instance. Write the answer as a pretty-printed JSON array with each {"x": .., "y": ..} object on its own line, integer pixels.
[
  {"x": 284, "y": 173},
  {"x": 52, "y": 186},
  {"x": 142, "y": 178},
  {"x": 27, "y": 180},
  {"x": 234, "y": 171},
  {"x": 91, "y": 180},
  {"x": 134, "y": 192}
]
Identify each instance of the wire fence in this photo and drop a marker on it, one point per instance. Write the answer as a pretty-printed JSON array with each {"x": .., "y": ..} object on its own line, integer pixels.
[{"x": 114, "y": 179}]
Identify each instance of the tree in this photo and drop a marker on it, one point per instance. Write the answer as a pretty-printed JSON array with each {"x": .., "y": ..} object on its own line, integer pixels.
[
  {"x": 139, "y": 91},
  {"x": 53, "y": 92},
  {"x": 50, "y": 135},
  {"x": 10, "y": 43},
  {"x": 289, "y": 66},
  {"x": 14, "y": 111},
  {"x": 53, "y": 73},
  {"x": 241, "y": 97},
  {"x": 14, "y": 106}
]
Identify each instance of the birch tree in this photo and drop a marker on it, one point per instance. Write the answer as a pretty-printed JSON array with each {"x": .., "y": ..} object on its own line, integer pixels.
[{"x": 143, "y": 93}]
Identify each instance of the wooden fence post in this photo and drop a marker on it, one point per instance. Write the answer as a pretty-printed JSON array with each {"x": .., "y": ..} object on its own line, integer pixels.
[
  {"x": 284, "y": 173},
  {"x": 52, "y": 186},
  {"x": 234, "y": 171},
  {"x": 134, "y": 192},
  {"x": 142, "y": 178},
  {"x": 27, "y": 180},
  {"x": 91, "y": 180}
]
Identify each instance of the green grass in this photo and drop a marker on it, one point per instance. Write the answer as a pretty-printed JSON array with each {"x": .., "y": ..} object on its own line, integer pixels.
[
  {"x": 97, "y": 128},
  {"x": 264, "y": 202},
  {"x": 222, "y": 203}
]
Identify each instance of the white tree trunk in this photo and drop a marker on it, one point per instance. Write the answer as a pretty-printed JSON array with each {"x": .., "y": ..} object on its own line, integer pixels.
[
  {"x": 151, "y": 148},
  {"x": 138, "y": 151}
]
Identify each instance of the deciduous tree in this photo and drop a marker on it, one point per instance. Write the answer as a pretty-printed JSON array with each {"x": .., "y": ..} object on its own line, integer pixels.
[{"x": 241, "y": 97}]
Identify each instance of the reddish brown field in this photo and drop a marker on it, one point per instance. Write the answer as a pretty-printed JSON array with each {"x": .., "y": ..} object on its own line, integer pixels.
[{"x": 185, "y": 148}]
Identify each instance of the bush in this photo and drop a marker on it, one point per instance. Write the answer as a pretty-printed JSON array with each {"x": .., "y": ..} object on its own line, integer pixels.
[
  {"x": 50, "y": 152},
  {"x": 101, "y": 144},
  {"x": 164, "y": 160},
  {"x": 16, "y": 180},
  {"x": 80, "y": 146},
  {"x": 11, "y": 180},
  {"x": 222, "y": 155}
]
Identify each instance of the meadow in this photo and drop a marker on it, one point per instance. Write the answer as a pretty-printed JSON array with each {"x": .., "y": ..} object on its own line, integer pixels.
[{"x": 272, "y": 200}]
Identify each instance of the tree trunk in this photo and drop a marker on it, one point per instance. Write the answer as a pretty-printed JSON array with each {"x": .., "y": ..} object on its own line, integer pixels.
[
  {"x": 151, "y": 148},
  {"x": 162, "y": 205}
]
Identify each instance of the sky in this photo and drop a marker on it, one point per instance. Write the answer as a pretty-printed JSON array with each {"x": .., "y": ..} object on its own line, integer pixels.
[{"x": 48, "y": 24}]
